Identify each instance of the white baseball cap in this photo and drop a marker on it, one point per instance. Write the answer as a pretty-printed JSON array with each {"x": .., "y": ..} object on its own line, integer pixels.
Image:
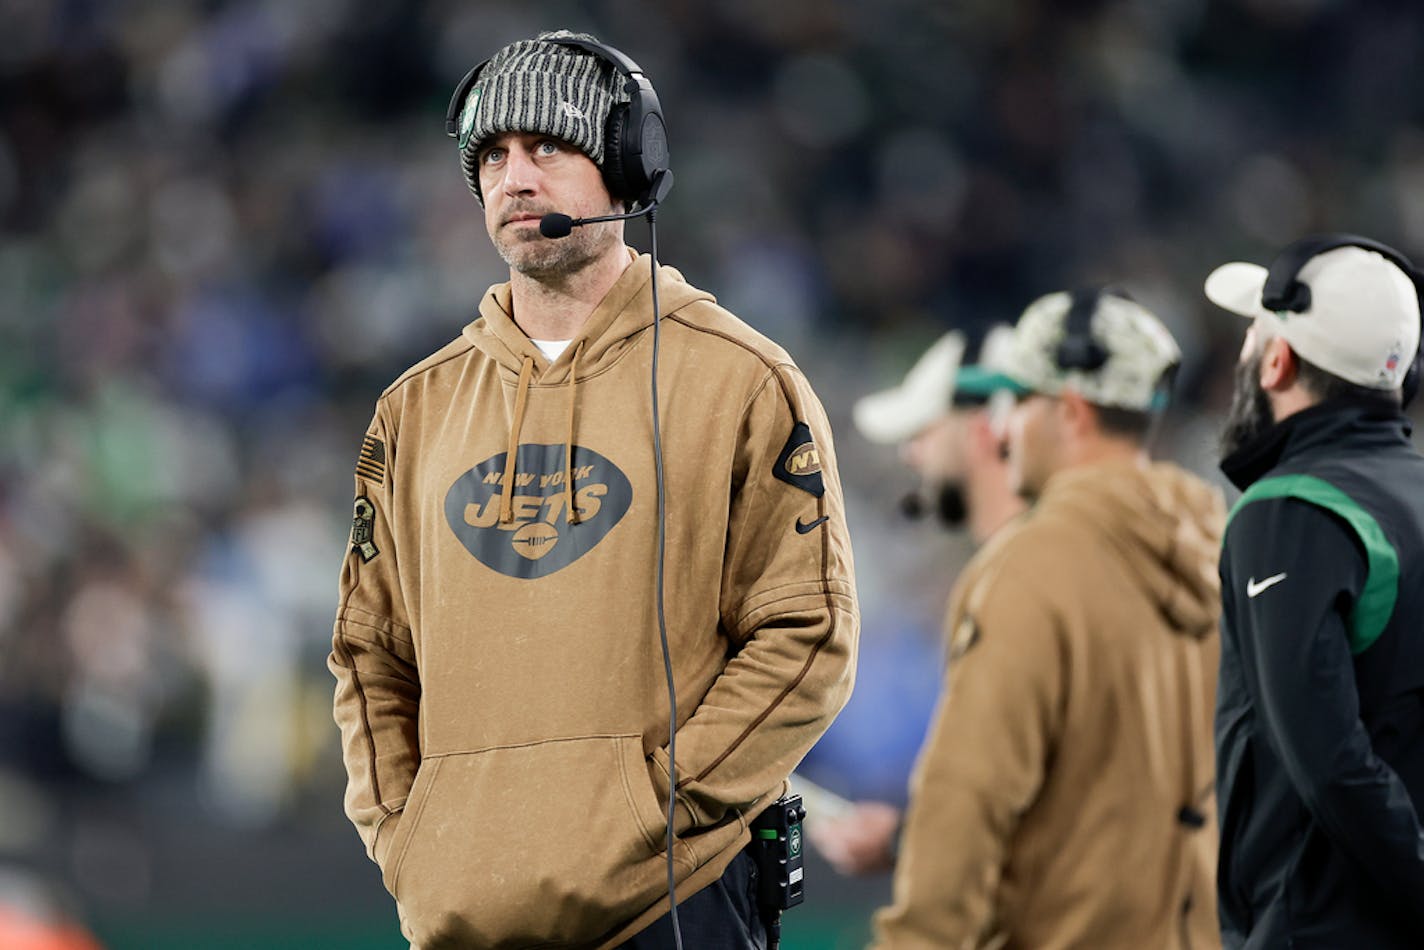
[
  {"x": 1362, "y": 321},
  {"x": 928, "y": 390},
  {"x": 1138, "y": 348}
]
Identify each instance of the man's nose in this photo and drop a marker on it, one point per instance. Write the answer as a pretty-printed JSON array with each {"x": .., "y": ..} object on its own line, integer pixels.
[{"x": 521, "y": 174}]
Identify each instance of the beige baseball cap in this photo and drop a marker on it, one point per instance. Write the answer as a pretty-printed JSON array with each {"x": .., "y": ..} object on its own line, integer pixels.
[{"x": 1362, "y": 321}]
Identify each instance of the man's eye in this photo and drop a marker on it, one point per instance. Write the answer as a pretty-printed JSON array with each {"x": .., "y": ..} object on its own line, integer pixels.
[
  {"x": 547, "y": 147},
  {"x": 492, "y": 156}
]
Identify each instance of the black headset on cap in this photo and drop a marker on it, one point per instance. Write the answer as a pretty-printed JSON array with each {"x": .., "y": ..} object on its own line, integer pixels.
[
  {"x": 1080, "y": 349},
  {"x": 635, "y": 144},
  {"x": 1285, "y": 291}
]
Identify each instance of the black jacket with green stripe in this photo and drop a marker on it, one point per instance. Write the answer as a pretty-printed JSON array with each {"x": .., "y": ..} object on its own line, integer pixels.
[{"x": 1320, "y": 702}]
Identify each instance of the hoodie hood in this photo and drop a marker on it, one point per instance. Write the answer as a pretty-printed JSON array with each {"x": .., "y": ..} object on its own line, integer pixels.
[
  {"x": 625, "y": 311},
  {"x": 1167, "y": 525}
]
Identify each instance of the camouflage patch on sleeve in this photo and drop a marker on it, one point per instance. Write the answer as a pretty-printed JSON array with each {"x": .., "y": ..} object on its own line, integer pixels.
[{"x": 363, "y": 529}]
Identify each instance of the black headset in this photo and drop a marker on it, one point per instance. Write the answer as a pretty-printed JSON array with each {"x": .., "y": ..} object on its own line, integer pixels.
[
  {"x": 1285, "y": 291},
  {"x": 635, "y": 146},
  {"x": 1080, "y": 349}
]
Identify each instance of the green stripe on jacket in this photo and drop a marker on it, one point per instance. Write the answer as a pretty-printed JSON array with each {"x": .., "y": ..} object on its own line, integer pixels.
[{"x": 1372, "y": 611}]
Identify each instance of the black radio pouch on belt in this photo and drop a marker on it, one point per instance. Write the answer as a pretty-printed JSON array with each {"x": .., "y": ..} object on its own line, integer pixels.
[{"x": 776, "y": 849}]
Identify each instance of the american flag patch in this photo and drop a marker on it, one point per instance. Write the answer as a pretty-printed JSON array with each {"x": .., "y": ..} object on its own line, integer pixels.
[{"x": 371, "y": 463}]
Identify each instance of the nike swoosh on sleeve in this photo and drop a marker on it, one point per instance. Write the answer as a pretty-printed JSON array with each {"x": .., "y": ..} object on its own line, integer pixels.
[
  {"x": 1253, "y": 587},
  {"x": 810, "y": 526}
]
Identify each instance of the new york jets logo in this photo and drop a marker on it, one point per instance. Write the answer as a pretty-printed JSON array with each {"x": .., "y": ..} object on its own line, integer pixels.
[
  {"x": 805, "y": 459},
  {"x": 467, "y": 116},
  {"x": 539, "y": 539},
  {"x": 799, "y": 463}
]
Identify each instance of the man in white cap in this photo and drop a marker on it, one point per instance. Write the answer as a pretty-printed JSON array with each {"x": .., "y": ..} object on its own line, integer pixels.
[
  {"x": 1063, "y": 795},
  {"x": 948, "y": 421},
  {"x": 949, "y": 430},
  {"x": 1320, "y": 706}
]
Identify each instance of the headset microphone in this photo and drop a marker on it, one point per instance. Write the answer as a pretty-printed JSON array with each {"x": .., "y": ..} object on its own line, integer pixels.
[
  {"x": 558, "y": 225},
  {"x": 913, "y": 506},
  {"x": 945, "y": 501}
]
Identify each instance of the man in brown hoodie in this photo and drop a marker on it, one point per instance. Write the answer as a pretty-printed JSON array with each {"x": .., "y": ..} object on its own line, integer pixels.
[
  {"x": 1063, "y": 795},
  {"x": 499, "y": 649}
]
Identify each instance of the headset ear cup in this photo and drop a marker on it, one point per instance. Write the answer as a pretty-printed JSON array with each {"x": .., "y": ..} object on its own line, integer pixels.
[
  {"x": 615, "y": 164},
  {"x": 1294, "y": 297}
]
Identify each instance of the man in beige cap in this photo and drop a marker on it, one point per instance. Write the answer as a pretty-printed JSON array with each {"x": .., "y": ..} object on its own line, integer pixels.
[{"x": 1063, "y": 795}]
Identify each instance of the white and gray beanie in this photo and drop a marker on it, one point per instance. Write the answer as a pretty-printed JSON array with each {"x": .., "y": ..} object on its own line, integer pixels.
[{"x": 538, "y": 86}]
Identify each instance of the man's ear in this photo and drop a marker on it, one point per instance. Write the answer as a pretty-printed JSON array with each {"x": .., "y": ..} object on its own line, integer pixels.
[
  {"x": 1279, "y": 365},
  {"x": 979, "y": 434},
  {"x": 1076, "y": 415}
]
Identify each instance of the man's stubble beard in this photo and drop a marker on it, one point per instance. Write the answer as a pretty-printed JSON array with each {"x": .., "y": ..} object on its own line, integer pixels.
[
  {"x": 1250, "y": 412},
  {"x": 551, "y": 259}
]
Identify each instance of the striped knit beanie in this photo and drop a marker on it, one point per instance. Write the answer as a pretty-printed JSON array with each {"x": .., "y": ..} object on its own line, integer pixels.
[{"x": 542, "y": 87}]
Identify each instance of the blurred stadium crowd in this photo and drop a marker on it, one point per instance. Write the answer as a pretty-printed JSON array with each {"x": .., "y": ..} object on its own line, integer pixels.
[{"x": 227, "y": 225}]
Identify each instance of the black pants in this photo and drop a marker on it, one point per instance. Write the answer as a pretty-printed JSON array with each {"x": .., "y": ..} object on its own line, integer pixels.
[{"x": 721, "y": 916}]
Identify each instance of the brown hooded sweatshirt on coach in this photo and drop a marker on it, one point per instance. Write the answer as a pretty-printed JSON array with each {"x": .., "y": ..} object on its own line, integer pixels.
[
  {"x": 1063, "y": 797},
  {"x": 500, "y": 685}
]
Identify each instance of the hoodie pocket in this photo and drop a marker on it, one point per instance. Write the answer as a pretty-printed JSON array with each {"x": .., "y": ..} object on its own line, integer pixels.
[{"x": 546, "y": 843}]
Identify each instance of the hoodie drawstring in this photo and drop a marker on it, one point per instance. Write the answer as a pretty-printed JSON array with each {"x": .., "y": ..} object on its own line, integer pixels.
[
  {"x": 521, "y": 398},
  {"x": 569, "y": 515}
]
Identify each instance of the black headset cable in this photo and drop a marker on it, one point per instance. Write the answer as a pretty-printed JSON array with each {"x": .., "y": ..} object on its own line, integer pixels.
[{"x": 671, "y": 840}]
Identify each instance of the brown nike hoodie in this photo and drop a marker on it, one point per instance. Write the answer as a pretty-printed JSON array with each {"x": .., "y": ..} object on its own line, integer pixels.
[
  {"x": 500, "y": 685},
  {"x": 1064, "y": 795}
]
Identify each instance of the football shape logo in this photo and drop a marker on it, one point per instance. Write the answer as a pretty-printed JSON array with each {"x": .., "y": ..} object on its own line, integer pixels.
[
  {"x": 540, "y": 538},
  {"x": 805, "y": 460},
  {"x": 534, "y": 540}
]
